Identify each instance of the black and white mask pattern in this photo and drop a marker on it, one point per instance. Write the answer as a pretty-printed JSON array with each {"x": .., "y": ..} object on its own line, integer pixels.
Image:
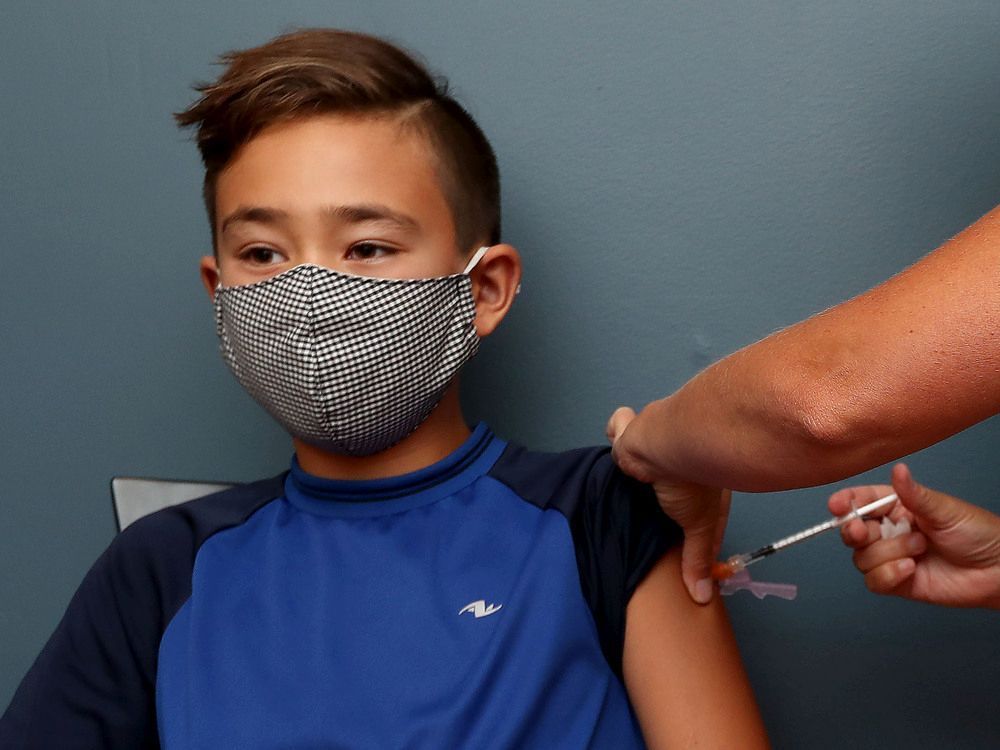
[{"x": 352, "y": 364}]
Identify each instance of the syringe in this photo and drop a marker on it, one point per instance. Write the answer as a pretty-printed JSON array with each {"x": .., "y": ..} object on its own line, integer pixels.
[{"x": 736, "y": 563}]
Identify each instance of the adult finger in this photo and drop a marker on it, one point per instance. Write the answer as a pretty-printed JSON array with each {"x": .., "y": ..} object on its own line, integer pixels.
[
  {"x": 884, "y": 551},
  {"x": 618, "y": 421},
  {"x": 889, "y": 577},
  {"x": 858, "y": 533},
  {"x": 725, "y": 502},
  {"x": 697, "y": 557}
]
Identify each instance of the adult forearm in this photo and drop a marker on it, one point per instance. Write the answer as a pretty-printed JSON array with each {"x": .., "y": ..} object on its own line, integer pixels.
[
  {"x": 747, "y": 425},
  {"x": 893, "y": 370}
]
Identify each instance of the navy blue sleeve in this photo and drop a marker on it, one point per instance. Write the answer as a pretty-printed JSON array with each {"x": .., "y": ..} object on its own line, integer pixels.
[
  {"x": 93, "y": 685},
  {"x": 619, "y": 531}
]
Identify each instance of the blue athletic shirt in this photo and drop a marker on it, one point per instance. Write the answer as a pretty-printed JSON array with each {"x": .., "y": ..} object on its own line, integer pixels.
[{"x": 476, "y": 603}]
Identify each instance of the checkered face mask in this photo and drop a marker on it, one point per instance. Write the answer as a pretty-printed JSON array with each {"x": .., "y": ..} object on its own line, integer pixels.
[{"x": 352, "y": 364}]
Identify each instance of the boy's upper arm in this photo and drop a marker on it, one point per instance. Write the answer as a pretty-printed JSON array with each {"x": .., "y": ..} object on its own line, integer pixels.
[
  {"x": 682, "y": 668},
  {"x": 620, "y": 533}
]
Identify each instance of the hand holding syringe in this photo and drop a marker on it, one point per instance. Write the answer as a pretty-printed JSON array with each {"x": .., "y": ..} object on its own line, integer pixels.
[{"x": 736, "y": 563}]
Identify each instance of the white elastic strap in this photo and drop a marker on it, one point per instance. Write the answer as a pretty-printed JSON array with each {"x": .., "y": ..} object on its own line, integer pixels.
[{"x": 478, "y": 256}]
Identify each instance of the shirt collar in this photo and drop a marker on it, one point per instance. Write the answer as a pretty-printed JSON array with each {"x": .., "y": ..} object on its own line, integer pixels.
[{"x": 372, "y": 497}]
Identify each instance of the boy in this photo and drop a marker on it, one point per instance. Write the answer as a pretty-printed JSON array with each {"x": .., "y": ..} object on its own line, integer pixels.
[{"x": 408, "y": 583}]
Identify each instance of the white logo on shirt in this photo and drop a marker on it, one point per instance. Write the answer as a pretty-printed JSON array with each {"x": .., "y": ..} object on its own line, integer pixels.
[{"x": 479, "y": 609}]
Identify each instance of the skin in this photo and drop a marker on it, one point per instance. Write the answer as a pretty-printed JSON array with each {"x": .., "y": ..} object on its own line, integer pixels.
[
  {"x": 292, "y": 195},
  {"x": 951, "y": 558},
  {"x": 683, "y": 671},
  {"x": 894, "y": 370}
]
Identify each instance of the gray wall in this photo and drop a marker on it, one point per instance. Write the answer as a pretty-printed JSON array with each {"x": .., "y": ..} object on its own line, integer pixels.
[{"x": 682, "y": 179}]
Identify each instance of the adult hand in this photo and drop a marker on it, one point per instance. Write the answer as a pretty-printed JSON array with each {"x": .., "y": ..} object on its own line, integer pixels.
[
  {"x": 701, "y": 511},
  {"x": 951, "y": 558}
]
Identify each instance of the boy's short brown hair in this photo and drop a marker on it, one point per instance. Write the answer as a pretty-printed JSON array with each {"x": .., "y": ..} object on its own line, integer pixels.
[{"x": 320, "y": 71}]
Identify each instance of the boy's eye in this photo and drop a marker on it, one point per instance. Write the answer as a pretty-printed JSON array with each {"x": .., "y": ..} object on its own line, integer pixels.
[
  {"x": 261, "y": 255},
  {"x": 369, "y": 251}
]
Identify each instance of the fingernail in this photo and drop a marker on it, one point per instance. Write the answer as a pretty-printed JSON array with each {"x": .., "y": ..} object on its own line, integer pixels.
[
  {"x": 703, "y": 591},
  {"x": 905, "y": 567},
  {"x": 915, "y": 544}
]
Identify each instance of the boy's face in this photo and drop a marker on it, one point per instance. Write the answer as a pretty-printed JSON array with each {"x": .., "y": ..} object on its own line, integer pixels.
[{"x": 355, "y": 194}]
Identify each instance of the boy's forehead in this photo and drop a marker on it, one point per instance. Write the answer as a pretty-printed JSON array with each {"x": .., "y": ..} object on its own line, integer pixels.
[
  {"x": 337, "y": 160},
  {"x": 350, "y": 142}
]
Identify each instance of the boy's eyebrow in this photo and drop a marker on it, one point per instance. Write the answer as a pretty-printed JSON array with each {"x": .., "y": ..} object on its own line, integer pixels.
[
  {"x": 372, "y": 212},
  {"x": 358, "y": 214},
  {"x": 257, "y": 214}
]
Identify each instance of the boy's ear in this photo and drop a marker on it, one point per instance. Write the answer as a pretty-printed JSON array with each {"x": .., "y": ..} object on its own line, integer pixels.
[
  {"x": 209, "y": 269},
  {"x": 495, "y": 282}
]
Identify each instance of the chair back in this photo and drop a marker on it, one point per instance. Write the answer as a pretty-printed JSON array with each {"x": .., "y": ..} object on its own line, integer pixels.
[{"x": 135, "y": 497}]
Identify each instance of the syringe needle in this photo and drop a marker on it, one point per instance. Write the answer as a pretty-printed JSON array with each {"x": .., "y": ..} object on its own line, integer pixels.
[{"x": 736, "y": 563}]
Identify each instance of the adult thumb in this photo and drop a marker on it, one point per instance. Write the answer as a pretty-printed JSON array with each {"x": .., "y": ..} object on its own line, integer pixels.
[
  {"x": 696, "y": 562},
  {"x": 935, "y": 508},
  {"x": 617, "y": 423}
]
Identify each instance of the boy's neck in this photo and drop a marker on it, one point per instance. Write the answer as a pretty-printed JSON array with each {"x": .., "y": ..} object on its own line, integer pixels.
[{"x": 439, "y": 435}]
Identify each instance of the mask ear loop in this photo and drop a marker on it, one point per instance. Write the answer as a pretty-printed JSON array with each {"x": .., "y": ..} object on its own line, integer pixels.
[{"x": 474, "y": 261}]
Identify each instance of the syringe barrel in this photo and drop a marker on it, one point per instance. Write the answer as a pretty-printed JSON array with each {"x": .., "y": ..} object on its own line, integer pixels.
[{"x": 805, "y": 534}]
